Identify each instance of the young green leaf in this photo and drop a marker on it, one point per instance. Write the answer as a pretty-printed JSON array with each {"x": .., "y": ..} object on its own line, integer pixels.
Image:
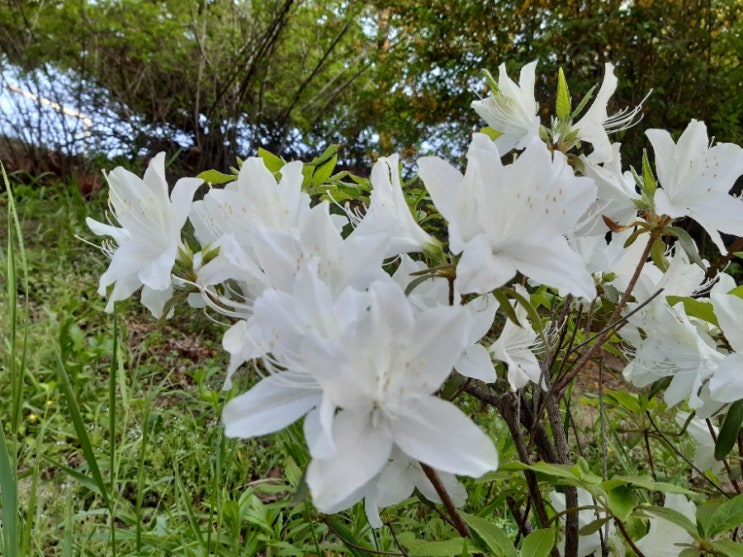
[
  {"x": 539, "y": 543},
  {"x": 493, "y": 537},
  {"x": 728, "y": 548},
  {"x": 622, "y": 501},
  {"x": 688, "y": 245},
  {"x": 649, "y": 185},
  {"x": 272, "y": 162},
  {"x": 673, "y": 516},
  {"x": 216, "y": 177},
  {"x": 324, "y": 171},
  {"x": 563, "y": 98},
  {"x": 695, "y": 308},
  {"x": 727, "y": 516},
  {"x": 729, "y": 431}
]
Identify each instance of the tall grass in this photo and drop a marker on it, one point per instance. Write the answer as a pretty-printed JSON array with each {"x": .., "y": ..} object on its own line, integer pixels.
[{"x": 15, "y": 349}]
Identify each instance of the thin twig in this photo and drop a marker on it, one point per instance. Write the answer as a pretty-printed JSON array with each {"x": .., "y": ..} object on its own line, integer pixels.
[
  {"x": 600, "y": 337},
  {"x": 683, "y": 456},
  {"x": 614, "y": 320},
  {"x": 651, "y": 463},
  {"x": 457, "y": 519},
  {"x": 628, "y": 538},
  {"x": 604, "y": 452},
  {"x": 524, "y": 525},
  {"x": 394, "y": 537}
]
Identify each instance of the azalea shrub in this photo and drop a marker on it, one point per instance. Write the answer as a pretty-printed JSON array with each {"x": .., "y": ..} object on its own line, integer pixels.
[{"x": 432, "y": 335}]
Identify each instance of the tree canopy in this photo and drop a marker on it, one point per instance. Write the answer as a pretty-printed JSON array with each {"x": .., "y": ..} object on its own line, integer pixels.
[{"x": 224, "y": 77}]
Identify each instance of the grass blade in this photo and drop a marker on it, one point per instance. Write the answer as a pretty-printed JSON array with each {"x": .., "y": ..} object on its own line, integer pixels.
[
  {"x": 8, "y": 498},
  {"x": 82, "y": 433},
  {"x": 112, "y": 429}
]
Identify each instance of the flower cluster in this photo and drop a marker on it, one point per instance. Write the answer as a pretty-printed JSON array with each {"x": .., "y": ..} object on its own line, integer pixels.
[{"x": 356, "y": 319}]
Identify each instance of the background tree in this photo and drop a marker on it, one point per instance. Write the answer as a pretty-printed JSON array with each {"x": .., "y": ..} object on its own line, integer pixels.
[{"x": 221, "y": 78}]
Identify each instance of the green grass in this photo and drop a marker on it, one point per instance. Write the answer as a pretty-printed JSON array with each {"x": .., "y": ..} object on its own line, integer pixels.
[{"x": 112, "y": 443}]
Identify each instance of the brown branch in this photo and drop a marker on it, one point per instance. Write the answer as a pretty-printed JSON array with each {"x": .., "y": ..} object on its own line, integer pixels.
[{"x": 457, "y": 519}]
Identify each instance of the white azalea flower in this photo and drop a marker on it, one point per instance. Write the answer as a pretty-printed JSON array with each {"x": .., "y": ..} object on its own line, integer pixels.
[
  {"x": 389, "y": 213},
  {"x": 595, "y": 125},
  {"x": 475, "y": 360},
  {"x": 276, "y": 258},
  {"x": 512, "y": 110},
  {"x": 615, "y": 196},
  {"x": 726, "y": 385},
  {"x": 255, "y": 199},
  {"x": 515, "y": 347},
  {"x": 147, "y": 241},
  {"x": 504, "y": 219},
  {"x": 665, "y": 538},
  {"x": 277, "y": 330},
  {"x": 400, "y": 476},
  {"x": 704, "y": 455},
  {"x": 589, "y": 544},
  {"x": 668, "y": 343},
  {"x": 696, "y": 179},
  {"x": 382, "y": 373}
]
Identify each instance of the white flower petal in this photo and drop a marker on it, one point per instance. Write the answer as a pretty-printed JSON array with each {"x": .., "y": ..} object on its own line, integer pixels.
[
  {"x": 726, "y": 385},
  {"x": 437, "y": 433},
  {"x": 363, "y": 450},
  {"x": 271, "y": 405}
]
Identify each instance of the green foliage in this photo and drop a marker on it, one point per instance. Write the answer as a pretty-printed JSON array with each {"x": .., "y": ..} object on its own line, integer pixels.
[
  {"x": 730, "y": 430},
  {"x": 295, "y": 77}
]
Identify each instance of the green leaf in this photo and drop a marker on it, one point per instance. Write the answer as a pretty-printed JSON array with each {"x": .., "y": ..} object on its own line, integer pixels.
[
  {"x": 687, "y": 244},
  {"x": 738, "y": 290},
  {"x": 593, "y": 526},
  {"x": 329, "y": 153},
  {"x": 649, "y": 185},
  {"x": 8, "y": 498},
  {"x": 705, "y": 512},
  {"x": 353, "y": 544},
  {"x": 632, "y": 237},
  {"x": 622, "y": 501},
  {"x": 492, "y": 133},
  {"x": 216, "y": 177},
  {"x": 728, "y": 547},
  {"x": 82, "y": 433},
  {"x": 324, "y": 171},
  {"x": 583, "y": 103},
  {"x": 700, "y": 309},
  {"x": 728, "y": 515},
  {"x": 622, "y": 399},
  {"x": 728, "y": 435},
  {"x": 446, "y": 548},
  {"x": 658, "y": 254},
  {"x": 272, "y": 162},
  {"x": 493, "y": 537},
  {"x": 570, "y": 474},
  {"x": 539, "y": 543},
  {"x": 647, "y": 483},
  {"x": 674, "y": 517},
  {"x": 531, "y": 311},
  {"x": 563, "y": 98},
  {"x": 505, "y": 305}
]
